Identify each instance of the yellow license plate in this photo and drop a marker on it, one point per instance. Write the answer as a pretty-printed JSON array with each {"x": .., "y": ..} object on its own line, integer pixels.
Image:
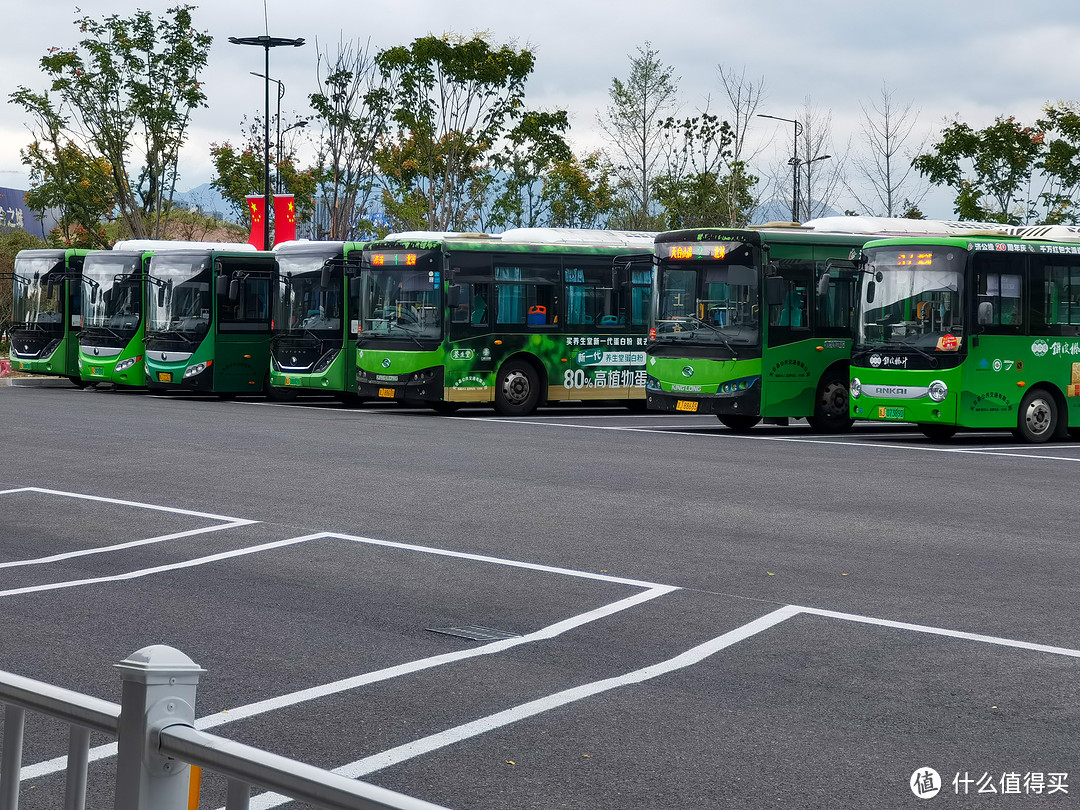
[
  {"x": 97, "y": 371},
  {"x": 164, "y": 376},
  {"x": 890, "y": 413},
  {"x": 388, "y": 393},
  {"x": 688, "y": 405}
]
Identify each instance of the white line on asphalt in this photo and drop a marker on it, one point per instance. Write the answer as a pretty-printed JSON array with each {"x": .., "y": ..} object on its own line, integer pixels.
[
  {"x": 793, "y": 439},
  {"x": 426, "y": 745},
  {"x": 938, "y": 631},
  {"x": 174, "y": 510}
]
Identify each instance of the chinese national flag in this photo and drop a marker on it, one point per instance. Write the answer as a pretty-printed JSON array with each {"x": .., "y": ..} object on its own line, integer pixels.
[
  {"x": 284, "y": 218},
  {"x": 257, "y": 209}
]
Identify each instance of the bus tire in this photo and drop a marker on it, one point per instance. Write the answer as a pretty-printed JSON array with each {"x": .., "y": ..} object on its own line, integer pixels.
[
  {"x": 1037, "y": 421},
  {"x": 831, "y": 408},
  {"x": 740, "y": 423},
  {"x": 444, "y": 408},
  {"x": 938, "y": 433},
  {"x": 350, "y": 399},
  {"x": 280, "y": 394},
  {"x": 517, "y": 389},
  {"x": 78, "y": 382}
]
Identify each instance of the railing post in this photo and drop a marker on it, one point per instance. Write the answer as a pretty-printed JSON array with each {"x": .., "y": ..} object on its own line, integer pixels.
[{"x": 159, "y": 685}]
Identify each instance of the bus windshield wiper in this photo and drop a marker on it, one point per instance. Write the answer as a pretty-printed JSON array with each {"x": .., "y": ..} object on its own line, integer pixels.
[
  {"x": 921, "y": 351},
  {"x": 716, "y": 330},
  {"x": 407, "y": 331}
]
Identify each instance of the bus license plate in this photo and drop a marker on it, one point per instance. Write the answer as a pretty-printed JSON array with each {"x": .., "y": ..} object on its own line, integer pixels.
[
  {"x": 97, "y": 371},
  {"x": 890, "y": 413},
  {"x": 164, "y": 376},
  {"x": 387, "y": 393},
  {"x": 688, "y": 405}
]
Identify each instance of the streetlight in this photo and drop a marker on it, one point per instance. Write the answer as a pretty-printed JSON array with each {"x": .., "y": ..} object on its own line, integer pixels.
[
  {"x": 266, "y": 42},
  {"x": 794, "y": 163},
  {"x": 277, "y": 119},
  {"x": 301, "y": 123}
]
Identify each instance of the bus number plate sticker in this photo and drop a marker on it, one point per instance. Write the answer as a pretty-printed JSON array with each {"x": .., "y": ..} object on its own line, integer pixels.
[
  {"x": 164, "y": 376},
  {"x": 388, "y": 393},
  {"x": 890, "y": 413},
  {"x": 97, "y": 371},
  {"x": 688, "y": 405}
]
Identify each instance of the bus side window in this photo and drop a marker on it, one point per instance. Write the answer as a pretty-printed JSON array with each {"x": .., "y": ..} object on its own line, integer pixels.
[{"x": 999, "y": 285}]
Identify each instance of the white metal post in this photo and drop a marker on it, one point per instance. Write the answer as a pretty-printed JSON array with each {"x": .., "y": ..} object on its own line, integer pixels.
[{"x": 159, "y": 684}]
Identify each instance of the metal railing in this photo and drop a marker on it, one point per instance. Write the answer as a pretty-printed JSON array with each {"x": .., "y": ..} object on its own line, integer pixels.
[{"x": 157, "y": 742}]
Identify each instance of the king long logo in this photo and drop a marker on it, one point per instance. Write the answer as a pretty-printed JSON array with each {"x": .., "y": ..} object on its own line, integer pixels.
[{"x": 386, "y": 363}]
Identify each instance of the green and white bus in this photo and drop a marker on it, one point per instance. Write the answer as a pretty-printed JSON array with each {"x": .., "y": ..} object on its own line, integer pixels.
[
  {"x": 208, "y": 320},
  {"x": 46, "y": 312},
  {"x": 313, "y": 348},
  {"x": 978, "y": 330},
  {"x": 112, "y": 341},
  {"x": 514, "y": 320},
  {"x": 756, "y": 323}
]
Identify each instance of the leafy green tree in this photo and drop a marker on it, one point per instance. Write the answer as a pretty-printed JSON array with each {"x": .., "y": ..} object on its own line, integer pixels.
[
  {"x": 449, "y": 103},
  {"x": 123, "y": 97},
  {"x": 534, "y": 147},
  {"x": 1060, "y": 163},
  {"x": 349, "y": 85},
  {"x": 632, "y": 125},
  {"x": 580, "y": 192},
  {"x": 68, "y": 180},
  {"x": 990, "y": 170}
]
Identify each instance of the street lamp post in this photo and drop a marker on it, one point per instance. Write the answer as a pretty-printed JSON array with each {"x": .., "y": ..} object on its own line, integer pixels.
[
  {"x": 806, "y": 163},
  {"x": 277, "y": 119},
  {"x": 266, "y": 42},
  {"x": 794, "y": 163},
  {"x": 301, "y": 123}
]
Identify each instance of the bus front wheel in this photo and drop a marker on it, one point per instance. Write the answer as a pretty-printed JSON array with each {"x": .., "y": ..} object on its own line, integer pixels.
[
  {"x": 1038, "y": 420},
  {"x": 738, "y": 422},
  {"x": 831, "y": 408},
  {"x": 517, "y": 391},
  {"x": 938, "y": 433}
]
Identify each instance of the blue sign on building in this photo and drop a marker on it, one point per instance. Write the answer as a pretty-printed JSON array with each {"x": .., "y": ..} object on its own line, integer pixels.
[{"x": 15, "y": 214}]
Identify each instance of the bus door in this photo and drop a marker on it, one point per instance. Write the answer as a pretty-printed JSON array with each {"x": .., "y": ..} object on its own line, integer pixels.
[
  {"x": 470, "y": 362},
  {"x": 243, "y": 288},
  {"x": 787, "y": 364}
]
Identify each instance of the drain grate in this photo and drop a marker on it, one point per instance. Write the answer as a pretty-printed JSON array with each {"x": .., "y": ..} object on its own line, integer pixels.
[{"x": 474, "y": 632}]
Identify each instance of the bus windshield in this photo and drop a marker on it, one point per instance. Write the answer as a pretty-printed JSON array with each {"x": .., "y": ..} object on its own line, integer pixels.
[
  {"x": 178, "y": 299},
  {"x": 912, "y": 296},
  {"x": 303, "y": 305},
  {"x": 38, "y": 294},
  {"x": 112, "y": 293},
  {"x": 397, "y": 302},
  {"x": 708, "y": 293}
]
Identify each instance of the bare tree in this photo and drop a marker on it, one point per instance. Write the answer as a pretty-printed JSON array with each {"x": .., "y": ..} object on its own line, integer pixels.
[
  {"x": 349, "y": 138},
  {"x": 888, "y": 186},
  {"x": 632, "y": 125},
  {"x": 744, "y": 98},
  {"x": 821, "y": 172}
]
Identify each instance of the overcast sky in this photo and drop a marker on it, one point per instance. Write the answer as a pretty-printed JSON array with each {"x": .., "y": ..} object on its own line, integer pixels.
[{"x": 976, "y": 60}]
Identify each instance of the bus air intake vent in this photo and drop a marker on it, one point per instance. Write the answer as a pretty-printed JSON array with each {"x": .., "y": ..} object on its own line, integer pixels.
[
  {"x": 474, "y": 633},
  {"x": 1052, "y": 233}
]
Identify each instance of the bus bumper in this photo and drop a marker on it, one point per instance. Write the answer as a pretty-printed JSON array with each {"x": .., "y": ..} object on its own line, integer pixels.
[
  {"x": 746, "y": 403},
  {"x": 425, "y": 385}
]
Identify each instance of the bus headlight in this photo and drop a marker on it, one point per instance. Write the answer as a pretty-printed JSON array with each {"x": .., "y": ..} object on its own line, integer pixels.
[
  {"x": 124, "y": 365},
  {"x": 198, "y": 368},
  {"x": 856, "y": 388},
  {"x": 938, "y": 391},
  {"x": 325, "y": 361}
]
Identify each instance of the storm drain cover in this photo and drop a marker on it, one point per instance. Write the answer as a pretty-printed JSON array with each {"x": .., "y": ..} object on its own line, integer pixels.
[{"x": 474, "y": 632}]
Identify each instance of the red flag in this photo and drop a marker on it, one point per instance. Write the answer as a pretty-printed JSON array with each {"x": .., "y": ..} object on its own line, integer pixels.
[
  {"x": 284, "y": 218},
  {"x": 257, "y": 209}
]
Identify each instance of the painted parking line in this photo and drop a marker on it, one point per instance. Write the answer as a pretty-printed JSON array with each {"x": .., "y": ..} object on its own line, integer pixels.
[
  {"x": 225, "y": 523},
  {"x": 789, "y": 439},
  {"x": 650, "y": 591},
  {"x": 695, "y": 655}
]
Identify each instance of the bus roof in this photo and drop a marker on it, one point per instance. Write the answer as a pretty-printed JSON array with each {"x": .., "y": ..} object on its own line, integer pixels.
[
  {"x": 896, "y": 225},
  {"x": 146, "y": 245},
  {"x": 638, "y": 240},
  {"x": 309, "y": 246}
]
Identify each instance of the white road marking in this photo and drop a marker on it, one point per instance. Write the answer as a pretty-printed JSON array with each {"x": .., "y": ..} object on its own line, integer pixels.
[{"x": 140, "y": 504}]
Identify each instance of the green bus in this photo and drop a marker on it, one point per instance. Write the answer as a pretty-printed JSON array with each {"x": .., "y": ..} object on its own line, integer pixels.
[
  {"x": 514, "y": 320},
  {"x": 978, "y": 330},
  {"x": 46, "y": 313},
  {"x": 112, "y": 341},
  {"x": 208, "y": 318},
  {"x": 756, "y": 323},
  {"x": 313, "y": 347}
]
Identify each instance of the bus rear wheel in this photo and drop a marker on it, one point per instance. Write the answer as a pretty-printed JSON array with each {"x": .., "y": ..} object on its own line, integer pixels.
[
  {"x": 738, "y": 422},
  {"x": 938, "y": 433},
  {"x": 831, "y": 408},
  {"x": 1038, "y": 420},
  {"x": 517, "y": 390}
]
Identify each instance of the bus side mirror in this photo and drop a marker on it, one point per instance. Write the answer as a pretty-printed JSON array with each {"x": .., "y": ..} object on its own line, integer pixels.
[
  {"x": 221, "y": 286},
  {"x": 775, "y": 289},
  {"x": 823, "y": 285},
  {"x": 161, "y": 296},
  {"x": 93, "y": 295},
  {"x": 324, "y": 279},
  {"x": 354, "y": 286},
  {"x": 234, "y": 289},
  {"x": 455, "y": 297}
]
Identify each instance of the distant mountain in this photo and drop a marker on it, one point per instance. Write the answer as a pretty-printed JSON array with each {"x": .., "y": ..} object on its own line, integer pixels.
[
  {"x": 205, "y": 198},
  {"x": 780, "y": 211}
]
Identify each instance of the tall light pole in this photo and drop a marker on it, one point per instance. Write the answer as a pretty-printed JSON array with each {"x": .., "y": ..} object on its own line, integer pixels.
[
  {"x": 266, "y": 42},
  {"x": 303, "y": 122},
  {"x": 794, "y": 163},
  {"x": 277, "y": 119},
  {"x": 797, "y": 163}
]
